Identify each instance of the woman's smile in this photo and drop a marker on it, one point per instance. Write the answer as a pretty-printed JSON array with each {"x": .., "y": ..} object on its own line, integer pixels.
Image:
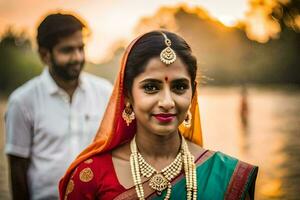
[{"x": 165, "y": 117}]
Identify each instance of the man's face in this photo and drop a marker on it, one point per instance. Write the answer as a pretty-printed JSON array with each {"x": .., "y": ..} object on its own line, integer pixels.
[{"x": 67, "y": 57}]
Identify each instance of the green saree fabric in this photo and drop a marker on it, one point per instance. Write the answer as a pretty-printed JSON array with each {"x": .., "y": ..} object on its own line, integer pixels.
[{"x": 219, "y": 177}]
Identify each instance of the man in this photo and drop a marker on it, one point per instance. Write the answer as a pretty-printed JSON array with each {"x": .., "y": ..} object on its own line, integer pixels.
[{"x": 54, "y": 116}]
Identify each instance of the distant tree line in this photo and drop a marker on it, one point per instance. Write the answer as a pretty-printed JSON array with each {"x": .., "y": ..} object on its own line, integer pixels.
[
  {"x": 18, "y": 61},
  {"x": 225, "y": 55}
]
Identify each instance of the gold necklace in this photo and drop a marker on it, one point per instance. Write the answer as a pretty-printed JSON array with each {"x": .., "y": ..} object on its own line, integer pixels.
[{"x": 161, "y": 180}]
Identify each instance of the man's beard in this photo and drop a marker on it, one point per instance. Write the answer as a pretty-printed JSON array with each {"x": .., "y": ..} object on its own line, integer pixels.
[{"x": 65, "y": 71}]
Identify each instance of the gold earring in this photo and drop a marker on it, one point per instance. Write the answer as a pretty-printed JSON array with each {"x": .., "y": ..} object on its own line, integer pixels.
[
  {"x": 128, "y": 114},
  {"x": 187, "y": 122}
]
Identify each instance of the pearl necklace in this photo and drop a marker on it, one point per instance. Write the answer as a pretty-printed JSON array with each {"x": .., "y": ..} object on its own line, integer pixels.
[{"x": 161, "y": 180}]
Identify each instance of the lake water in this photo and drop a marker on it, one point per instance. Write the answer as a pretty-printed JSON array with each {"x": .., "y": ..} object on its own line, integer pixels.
[{"x": 271, "y": 139}]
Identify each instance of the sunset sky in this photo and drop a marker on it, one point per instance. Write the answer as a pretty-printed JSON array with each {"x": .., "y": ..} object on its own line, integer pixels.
[{"x": 111, "y": 20}]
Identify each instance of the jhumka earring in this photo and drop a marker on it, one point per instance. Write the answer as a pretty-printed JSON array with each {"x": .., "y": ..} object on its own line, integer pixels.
[
  {"x": 167, "y": 55},
  {"x": 128, "y": 114},
  {"x": 187, "y": 122}
]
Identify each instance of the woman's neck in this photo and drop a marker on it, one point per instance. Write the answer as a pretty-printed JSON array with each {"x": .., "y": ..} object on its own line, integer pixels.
[{"x": 156, "y": 146}]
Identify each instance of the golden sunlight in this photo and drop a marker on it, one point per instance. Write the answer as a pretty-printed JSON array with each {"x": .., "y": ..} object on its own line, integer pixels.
[
  {"x": 111, "y": 21},
  {"x": 260, "y": 27},
  {"x": 228, "y": 21},
  {"x": 118, "y": 20}
]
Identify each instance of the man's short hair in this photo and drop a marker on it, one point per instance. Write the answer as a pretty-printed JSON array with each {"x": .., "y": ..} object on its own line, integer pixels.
[{"x": 56, "y": 26}]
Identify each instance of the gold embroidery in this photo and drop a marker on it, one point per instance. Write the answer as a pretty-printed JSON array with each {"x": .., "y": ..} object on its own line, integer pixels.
[
  {"x": 86, "y": 175},
  {"x": 74, "y": 172},
  {"x": 70, "y": 188},
  {"x": 89, "y": 161}
]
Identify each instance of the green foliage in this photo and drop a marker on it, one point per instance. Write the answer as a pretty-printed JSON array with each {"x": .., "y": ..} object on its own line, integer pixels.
[
  {"x": 286, "y": 12},
  {"x": 18, "y": 62}
]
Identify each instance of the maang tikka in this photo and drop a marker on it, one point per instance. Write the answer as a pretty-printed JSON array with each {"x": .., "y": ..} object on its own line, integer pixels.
[{"x": 167, "y": 55}]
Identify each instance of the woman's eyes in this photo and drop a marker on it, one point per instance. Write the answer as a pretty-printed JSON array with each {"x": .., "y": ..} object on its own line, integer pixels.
[
  {"x": 178, "y": 88},
  {"x": 150, "y": 88}
]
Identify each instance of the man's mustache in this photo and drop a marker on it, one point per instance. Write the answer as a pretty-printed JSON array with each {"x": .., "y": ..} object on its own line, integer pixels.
[{"x": 75, "y": 63}]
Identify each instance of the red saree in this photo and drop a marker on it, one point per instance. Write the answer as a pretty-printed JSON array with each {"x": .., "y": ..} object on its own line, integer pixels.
[{"x": 96, "y": 178}]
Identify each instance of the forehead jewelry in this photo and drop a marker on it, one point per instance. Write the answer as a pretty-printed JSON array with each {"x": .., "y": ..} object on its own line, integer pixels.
[{"x": 167, "y": 55}]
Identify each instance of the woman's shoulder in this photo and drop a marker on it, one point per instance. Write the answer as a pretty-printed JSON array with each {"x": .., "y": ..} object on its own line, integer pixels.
[
  {"x": 97, "y": 163},
  {"x": 241, "y": 175},
  {"x": 86, "y": 179},
  {"x": 234, "y": 177},
  {"x": 228, "y": 160},
  {"x": 91, "y": 169},
  {"x": 219, "y": 159}
]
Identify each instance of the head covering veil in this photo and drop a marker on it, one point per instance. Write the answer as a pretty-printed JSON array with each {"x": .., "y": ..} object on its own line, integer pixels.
[{"x": 113, "y": 130}]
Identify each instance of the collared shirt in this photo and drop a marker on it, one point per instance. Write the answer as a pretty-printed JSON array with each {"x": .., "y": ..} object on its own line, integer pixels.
[{"x": 42, "y": 124}]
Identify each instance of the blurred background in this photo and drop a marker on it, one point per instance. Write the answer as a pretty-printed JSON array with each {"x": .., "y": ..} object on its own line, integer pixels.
[{"x": 249, "y": 70}]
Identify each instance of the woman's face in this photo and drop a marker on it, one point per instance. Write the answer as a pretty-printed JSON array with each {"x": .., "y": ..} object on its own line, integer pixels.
[{"x": 161, "y": 96}]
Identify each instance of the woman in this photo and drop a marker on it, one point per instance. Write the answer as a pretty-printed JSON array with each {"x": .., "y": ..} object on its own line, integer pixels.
[{"x": 148, "y": 145}]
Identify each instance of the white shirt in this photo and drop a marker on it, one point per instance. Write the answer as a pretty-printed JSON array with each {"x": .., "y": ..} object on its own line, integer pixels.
[{"x": 42, "y": 124}]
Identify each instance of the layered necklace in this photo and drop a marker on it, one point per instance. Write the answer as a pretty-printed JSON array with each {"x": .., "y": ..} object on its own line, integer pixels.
[{"x": 161, "y": 180}]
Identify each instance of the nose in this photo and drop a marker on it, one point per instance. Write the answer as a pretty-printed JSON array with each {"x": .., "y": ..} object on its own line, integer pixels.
[{"x": 166, "y": 101}]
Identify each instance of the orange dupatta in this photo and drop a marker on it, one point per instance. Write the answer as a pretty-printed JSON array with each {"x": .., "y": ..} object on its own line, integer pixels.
[{"x": 113, "y": 130}]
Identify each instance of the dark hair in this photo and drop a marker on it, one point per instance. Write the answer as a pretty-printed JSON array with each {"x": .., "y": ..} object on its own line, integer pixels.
[
  {"x": 55, "y": 27},
  {"x": 149, "y": 46}
]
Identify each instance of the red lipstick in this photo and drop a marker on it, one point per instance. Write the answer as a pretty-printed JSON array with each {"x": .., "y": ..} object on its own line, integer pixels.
[{"x": 164, "y": 117}]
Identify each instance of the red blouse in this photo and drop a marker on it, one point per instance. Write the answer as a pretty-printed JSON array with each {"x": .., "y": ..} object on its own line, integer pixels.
[{"x": 94, "y": 178}]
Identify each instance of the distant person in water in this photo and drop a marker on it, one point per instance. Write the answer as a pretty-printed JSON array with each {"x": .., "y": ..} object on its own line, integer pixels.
[
  {"x": 54, "y": 116},
  {"x": 244, "y": 108}
]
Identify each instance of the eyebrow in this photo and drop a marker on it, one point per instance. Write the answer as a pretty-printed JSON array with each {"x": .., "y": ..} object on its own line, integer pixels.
[
  {"x": 180, "y": 80},
  {"x": 152, "y": 80}
]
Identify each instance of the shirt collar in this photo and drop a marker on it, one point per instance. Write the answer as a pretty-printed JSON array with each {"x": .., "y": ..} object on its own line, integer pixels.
[{"x": 53, "y": 88}]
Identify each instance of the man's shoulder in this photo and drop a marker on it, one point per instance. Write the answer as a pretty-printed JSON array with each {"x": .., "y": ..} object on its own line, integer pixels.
[{"x": 25, "y": 91}]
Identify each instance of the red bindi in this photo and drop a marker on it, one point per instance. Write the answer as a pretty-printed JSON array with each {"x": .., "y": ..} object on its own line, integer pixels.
[{"x": 166, "y": 78}]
